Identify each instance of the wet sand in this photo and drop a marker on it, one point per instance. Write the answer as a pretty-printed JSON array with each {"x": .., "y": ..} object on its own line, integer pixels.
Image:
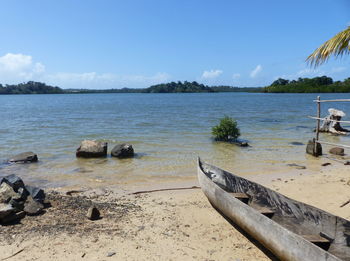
[{"x": 167, "y": 225}]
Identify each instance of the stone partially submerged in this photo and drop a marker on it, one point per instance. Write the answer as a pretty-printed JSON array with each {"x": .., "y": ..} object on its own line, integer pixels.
[
  {"x": 331, "y": 122},
  {"x": 25, "y": 157},
  {"x": 123, "y": 151},
  {"x": 92, "y": 149}
]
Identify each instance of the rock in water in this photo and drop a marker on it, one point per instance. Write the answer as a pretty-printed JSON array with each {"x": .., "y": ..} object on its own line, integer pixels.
[
  {"x": 32, "y": 207},
  {"x": 92, "y": 149},
  {"x": 93, "y": 213},
  {"x": 123, "y": 151},
  {"x": 25, "y": 157},
  {"x": 337, "y": 151},
  {"x": 310, "y": 148}
]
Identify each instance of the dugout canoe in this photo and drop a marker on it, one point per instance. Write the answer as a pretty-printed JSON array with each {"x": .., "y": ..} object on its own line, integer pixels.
[{"x": 290, "y": 229}]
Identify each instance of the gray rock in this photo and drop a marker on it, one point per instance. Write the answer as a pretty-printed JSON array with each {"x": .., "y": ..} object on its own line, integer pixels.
[
  {"x": 14, "y": 181},
  {"x": 32, "y": 207},
  {"x": 109, "y": 254},
  {"x": 92, "y": 149},
  {"x": 5, "y": 210},
  {"x": 25, "y": 157},
  {"x": 36, "y": 193},
  {"x": 6, "y": 193},
  {"x": 93, "y": 213},
  {"x": 310, "y": 148},
  {"x": 337, "y": 151},
  {"x": 123, "y": 151}
]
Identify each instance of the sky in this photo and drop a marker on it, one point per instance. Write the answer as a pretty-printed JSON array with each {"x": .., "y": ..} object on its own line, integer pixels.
[{"x": 104, "y": 44}]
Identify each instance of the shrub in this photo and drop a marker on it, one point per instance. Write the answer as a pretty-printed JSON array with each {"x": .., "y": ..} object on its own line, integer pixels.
[{"x": 226, "y": 130}]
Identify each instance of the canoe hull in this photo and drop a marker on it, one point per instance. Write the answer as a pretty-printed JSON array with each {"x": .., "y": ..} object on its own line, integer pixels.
[{"x": 283, "y": 243}]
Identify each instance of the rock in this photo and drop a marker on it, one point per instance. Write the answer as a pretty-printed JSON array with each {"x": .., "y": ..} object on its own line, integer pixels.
[
  {"x": 6, "y": 193},
  {"x": 326, "y": 164},
  {"x": 93, "y": 213},
  {"x": 5, "y": 210},
  {"x": 109, "y": 254},
  {"x": 310, "y": 147},
  {"x": 14, "y": 181},
  {"x": 32, "y": 207},
  {"x": 92, "y": 149},
  {"x": 123, "y": 151},
  {"x": 347, "y": 163},
  {"x": 13, "y": 217},
  {"x": 296, "y": 143},
  {"x": 337, "y": 151},
  {"x": 25, "y": 157},
  {"x": 296, "y": 166},
  {"x": 36, "y": 193}
]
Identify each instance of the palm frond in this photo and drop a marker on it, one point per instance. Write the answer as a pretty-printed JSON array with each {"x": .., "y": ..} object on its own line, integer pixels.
[{"x": 337, "y": 46}]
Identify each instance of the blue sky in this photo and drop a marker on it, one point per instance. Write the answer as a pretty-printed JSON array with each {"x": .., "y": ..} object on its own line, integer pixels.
[{"x": 114, "y": 44}]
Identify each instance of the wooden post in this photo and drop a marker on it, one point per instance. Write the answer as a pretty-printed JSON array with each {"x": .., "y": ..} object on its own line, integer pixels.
[{"x": 318, "y": 123}]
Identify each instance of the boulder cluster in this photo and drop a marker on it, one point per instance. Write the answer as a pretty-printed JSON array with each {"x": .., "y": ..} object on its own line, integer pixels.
[
  {"x": 18, "y": 200},
  {"x": 95, "y": 149}
]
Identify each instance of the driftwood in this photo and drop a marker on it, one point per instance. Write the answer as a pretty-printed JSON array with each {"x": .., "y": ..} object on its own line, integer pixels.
[
  {"x": 14, "y": 254},
  {"x": 345, "y": 203},
  {"x": 165, "y": 189}
]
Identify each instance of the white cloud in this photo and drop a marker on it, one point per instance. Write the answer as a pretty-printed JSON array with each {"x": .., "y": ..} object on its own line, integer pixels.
[
  {"x": 307, "y": 72},
  {"x": 236, "y": 76},
  {"x": 256, "y": 71},
  {"x": 16, "y": 68},
  {"x": 211, "y": 74}
]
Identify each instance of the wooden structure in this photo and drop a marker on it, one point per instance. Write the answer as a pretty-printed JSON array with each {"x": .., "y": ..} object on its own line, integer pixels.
[
  {"x": 290, "y": 229},
  {"x": 318, "y": 122}
]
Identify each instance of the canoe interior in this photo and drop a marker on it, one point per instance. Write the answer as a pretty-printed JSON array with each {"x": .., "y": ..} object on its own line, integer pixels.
[{"x": 330, "y": 232}]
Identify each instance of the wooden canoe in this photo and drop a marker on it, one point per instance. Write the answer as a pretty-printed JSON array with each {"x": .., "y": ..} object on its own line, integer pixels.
[{"x": 290, "y": 229}]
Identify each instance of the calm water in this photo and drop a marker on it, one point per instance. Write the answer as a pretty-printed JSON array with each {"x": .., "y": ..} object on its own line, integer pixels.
[{"x": 168, "y": 132}]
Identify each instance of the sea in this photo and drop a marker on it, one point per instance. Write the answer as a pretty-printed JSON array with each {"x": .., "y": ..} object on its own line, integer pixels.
[{"x": 168, "y": 132}]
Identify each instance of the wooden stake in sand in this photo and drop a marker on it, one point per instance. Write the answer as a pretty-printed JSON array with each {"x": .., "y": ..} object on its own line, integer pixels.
[
  {"x": 345, "y": 203},
  {"x": 16, "y": 253}
]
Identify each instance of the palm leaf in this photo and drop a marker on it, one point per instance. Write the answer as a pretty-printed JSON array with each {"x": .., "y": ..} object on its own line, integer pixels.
[{"x": 337, "y": 46}]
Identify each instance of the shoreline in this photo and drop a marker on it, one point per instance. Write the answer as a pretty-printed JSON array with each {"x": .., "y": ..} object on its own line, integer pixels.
[{"x": 165, "y": 225}]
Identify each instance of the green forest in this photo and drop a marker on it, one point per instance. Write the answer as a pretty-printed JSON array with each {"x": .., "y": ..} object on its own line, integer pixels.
[{"x": 321, "y": 84}]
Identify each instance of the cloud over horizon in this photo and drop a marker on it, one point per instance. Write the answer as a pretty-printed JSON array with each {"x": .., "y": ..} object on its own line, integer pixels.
[
  {"x": 16, "y": 68},
  {"x": 211, "y": 74},
  {"x": 256, "y": 71}
]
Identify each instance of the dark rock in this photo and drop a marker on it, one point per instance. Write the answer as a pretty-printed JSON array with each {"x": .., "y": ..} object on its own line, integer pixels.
[
  {"x": 93, "y": 213},
  {"x": 14, "y": 181},
  {"x": 5, "y": 210},
  {"x": 123, "y": 151},
  {"x": 13, "y": 217},
  {"x": 310, "y": 148},
  {"x": 92, "y": 149},
  {"x": 25, "y": 157},
  {"x": 296, "y": 143},
  {"x": 337, "y": 151},
  {"x": 32, "y": 207},
  {"x": 326, "y": 164},
  {"x": 347, "y": 163},
  {"x": 36, "y": 193}
]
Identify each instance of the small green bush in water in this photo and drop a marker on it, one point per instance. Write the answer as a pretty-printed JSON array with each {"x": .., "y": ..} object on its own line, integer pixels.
[{"x": 226, "y": 130}]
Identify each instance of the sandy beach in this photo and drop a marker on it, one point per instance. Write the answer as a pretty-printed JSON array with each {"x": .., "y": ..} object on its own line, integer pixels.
[{"x": 167, "y": 225}]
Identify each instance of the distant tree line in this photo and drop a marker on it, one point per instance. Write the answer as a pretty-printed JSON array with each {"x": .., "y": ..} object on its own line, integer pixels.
[
  {"x": 321, "y": 84},
  {"x": 29, "y": 88}
]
